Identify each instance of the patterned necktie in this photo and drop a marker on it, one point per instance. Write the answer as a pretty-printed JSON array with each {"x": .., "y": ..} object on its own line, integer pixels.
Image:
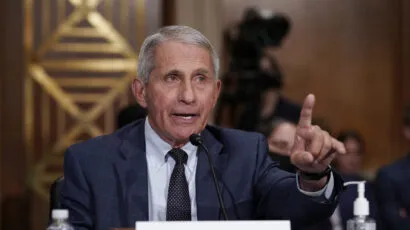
[{"x": 179, "y": 202}]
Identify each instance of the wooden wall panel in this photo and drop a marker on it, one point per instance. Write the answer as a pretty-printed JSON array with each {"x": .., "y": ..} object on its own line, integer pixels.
[
  {"x": 31, "y": 115},
  {"x": 405, "y": 76},
  {"x": 406, "y": 51},
  {"x": 346, "y": 53},
  {"x": 14, "y": 202}
]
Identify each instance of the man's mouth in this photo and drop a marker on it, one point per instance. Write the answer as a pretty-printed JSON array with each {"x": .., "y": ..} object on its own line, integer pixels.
[{"x": 186, "y": 116}]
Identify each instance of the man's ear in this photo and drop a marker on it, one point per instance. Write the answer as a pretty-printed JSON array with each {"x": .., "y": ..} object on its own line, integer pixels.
[
  {"x": 217, "y": 91},
  {"x": 139, "y": 91}
]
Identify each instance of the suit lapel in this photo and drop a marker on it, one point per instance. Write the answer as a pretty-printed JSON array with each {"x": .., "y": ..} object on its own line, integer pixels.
[
  {"x": 133, "y": 176},
  {"x": 206, "y": 196}
]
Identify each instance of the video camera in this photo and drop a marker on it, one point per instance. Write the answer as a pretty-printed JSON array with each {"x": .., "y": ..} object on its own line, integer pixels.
[{"x": 246, "y": 45}]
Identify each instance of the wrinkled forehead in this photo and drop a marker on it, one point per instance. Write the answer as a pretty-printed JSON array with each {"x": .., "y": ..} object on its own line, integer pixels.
[{"x": 174, "y": 54}]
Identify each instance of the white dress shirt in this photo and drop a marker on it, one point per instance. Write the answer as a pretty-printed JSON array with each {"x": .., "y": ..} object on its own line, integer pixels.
[
  {"x": 160, "y": 168},
  {"x": 336, "y": 220}
]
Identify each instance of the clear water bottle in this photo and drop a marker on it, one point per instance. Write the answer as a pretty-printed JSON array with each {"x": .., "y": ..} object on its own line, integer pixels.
[{"x": 60, "y": 220}]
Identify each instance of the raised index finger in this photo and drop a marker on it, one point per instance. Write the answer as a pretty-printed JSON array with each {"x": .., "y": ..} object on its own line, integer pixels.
[{"x": 305, "y": 120}]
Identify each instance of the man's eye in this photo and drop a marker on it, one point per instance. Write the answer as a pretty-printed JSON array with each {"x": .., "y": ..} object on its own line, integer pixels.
[
  {"x": 200, "y": 78},
  {"x": 171, "y": 77}
]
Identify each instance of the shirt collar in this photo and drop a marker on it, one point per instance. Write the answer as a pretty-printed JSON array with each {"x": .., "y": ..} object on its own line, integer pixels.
[{"x": 160, "y": 148}]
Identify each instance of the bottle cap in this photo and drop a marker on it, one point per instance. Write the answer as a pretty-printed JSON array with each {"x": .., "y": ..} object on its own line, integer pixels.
[{"x": 59, "y": 214}]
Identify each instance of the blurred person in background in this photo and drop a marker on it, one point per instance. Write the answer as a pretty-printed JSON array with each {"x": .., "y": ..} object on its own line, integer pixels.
[
  {"x": 393, "y": 188},
  {"x": 281, "y": 135},
  {"x": 130, "y": 114},
  {"x": 350, "y": 167}
]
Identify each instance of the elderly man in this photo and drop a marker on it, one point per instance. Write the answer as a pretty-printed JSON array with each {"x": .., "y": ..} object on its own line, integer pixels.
[{"x": 149, "y": 170}]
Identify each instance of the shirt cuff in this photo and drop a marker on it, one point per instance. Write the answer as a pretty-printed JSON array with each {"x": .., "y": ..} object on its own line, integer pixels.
[{"x": 327, "y": 190}]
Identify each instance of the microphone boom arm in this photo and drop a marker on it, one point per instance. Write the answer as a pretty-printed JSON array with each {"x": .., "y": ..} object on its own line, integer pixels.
[{"x": 197, "y": 140}]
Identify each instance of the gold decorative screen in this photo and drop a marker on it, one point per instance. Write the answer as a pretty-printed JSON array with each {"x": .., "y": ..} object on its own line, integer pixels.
[{"x": 81, "y": 58}]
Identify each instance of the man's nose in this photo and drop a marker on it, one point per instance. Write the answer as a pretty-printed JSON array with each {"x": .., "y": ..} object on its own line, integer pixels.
[{"x": 187, "y": 94}]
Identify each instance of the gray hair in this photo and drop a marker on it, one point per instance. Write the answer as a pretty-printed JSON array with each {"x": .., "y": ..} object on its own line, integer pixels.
[{"x": 183, "y": 34}]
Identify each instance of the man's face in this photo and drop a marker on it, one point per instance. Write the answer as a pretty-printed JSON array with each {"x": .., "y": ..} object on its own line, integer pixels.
[
  {"x": 406, "y": 132},
  {"x": 281, "y": 139},
  {"x": 181, "y": 91},
  {"x": 351, "y": 162}
]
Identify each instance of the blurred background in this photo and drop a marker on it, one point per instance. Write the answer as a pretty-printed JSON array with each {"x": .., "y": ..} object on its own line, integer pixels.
[{"x": 66, "y": 68}]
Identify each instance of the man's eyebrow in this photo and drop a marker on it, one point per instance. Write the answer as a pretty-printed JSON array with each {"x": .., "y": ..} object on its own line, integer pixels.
[
  {"x": 174, "y": 72},
  {"x": 201, "y": 71}
]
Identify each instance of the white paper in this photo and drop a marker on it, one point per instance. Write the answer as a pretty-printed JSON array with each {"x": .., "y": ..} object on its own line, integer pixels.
[{"x": 213, "y": 225}]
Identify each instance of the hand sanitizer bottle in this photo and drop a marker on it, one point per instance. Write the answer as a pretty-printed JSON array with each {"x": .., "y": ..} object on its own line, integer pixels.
[
  {"x": 60, "y": 220},
  {"x": 361, "y": 219}
]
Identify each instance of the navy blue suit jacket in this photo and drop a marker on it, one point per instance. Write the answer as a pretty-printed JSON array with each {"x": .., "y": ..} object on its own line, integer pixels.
[
  {"x": 106, "y": 182},
  {"x": 393, "y": 195}
]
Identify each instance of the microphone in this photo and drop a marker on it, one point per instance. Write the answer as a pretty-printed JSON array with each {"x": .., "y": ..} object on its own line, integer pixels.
[{"x": 196, "y": 140}]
